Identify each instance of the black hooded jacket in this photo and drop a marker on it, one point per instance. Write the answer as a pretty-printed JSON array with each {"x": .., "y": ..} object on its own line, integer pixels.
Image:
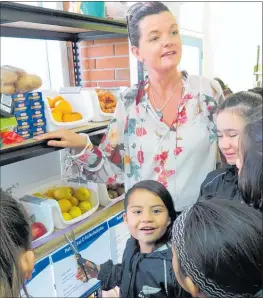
[
  {"x": 222, "y": 183},
  {"x": 142, "y": 275}
]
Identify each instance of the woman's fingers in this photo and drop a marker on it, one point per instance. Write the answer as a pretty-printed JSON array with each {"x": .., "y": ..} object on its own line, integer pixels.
[
  {"x": 58, "y": 134},
  {"x": 66, "y": 138},
  {"x": 61, "y": 144}
]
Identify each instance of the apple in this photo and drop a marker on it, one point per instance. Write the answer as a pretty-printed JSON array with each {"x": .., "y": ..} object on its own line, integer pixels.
[{"x": 38, "y": 230}]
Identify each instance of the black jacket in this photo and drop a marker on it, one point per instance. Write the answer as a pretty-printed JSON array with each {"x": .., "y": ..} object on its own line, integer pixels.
[
  {"x": 142, "y": 275},
  {"x": 222, "y": 183}
]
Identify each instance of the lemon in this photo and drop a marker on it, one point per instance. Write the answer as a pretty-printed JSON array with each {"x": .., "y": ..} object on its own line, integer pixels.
[
  {"x": 66, "y": 216},
  {"x": 74, "y": 201},
  {"x": 75, "y": 212},
  {"x": 50, "y": 192},
  {"x": 64, "y": 205},
  {"x": 38, "y": 195},
  {"x": 62, "y": 192},
  {"x": 82, "y": 194},
  {"x": 85, "y": 206}
]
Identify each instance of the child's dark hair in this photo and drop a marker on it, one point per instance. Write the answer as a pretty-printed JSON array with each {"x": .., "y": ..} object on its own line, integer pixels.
[
  {"x": 226, "y": 90},
  {"x": 241, "y": 103},
  {"x": 223, "y": 240},
  {"x": 251, "y": 174},
  {"x": 257, "y": 90},
  {"x": 139, "y": 11},
  {"x": 15, "y": 237},
  {"x": 159, "y": 190}
]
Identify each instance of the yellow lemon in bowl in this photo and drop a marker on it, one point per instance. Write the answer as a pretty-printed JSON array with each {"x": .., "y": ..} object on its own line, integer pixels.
[
  {"x": 75, "y": 212},
  {"x": 64, "y": 205},
  {"x": 66, "y": 216},
  {"x": 85, "y": 206}
]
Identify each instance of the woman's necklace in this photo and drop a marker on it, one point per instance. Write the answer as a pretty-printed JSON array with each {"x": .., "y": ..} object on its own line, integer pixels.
[{"x": 160, "y": 110}]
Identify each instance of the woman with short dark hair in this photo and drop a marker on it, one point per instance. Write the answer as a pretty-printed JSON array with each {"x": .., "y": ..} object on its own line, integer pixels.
[{"x": 162, "y": 129}]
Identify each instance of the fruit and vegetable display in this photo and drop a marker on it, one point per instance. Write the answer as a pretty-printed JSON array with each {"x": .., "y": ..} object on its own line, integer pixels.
[
  {"x": 15, "y": 80},
  {"x": 38, "y": 230},
  {"x": 61, "y": 110},
  {"x": 115, "y": 190},
  {"x": 107, "y": 101},
  {"x": 73, "y": 202}
]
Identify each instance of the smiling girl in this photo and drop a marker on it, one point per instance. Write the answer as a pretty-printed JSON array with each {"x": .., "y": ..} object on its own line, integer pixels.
[
  {"x": 146, "y": 270},
  {"x": 232, "y": 117}
]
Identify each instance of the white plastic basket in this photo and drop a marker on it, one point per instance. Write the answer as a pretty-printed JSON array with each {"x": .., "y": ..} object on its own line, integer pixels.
[
  {"x": 58, "y": 220},
  {"x": 99, "y": 115},
  {"x": 103, "y": 195},
  {"x": 81, "y": 103},
  {"x": 41, "y": 212}
]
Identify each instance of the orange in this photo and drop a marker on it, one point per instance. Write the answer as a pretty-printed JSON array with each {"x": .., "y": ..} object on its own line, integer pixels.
[
  {"x": 50, "y": 102},
  {"x": 63, "y": 106},
  {"x": 57, "y": 98},
  {"x": 75, "y": 116},
  {"x": 57, "y": 115}
]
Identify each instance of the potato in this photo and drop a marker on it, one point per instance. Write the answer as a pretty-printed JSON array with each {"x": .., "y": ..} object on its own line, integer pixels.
[
  {"x": 7, "y": 89},
  {"x": 113, "y": 186},
  {"x": 27, "y": 83},
  {"x": 8, "y": 76},
  {"x": 115, "y": 194},
  {"x": 112, "y": 194},
  {"x": 120, "y": 190}
]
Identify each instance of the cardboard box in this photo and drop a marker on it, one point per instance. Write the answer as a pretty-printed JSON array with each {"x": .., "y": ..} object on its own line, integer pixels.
[
  {"x": 34, "y": 96},
  {"x": 38, "y": 122},
  {"x": 25, "y": 133}
]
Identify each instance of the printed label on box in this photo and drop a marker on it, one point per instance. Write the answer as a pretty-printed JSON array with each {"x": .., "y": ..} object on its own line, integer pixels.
[
  {"x": 119, "y": 234},
  {"x": 24, "y": 121},
  {"x": 32, "y": 96},
  {"x": 22, "y": 115},
  {"x": 20, "y": 106},
  {"x": 38, "y": 113},
  {"x": 38, "y": 122},
  {"x": 25, "y": 133},
  {"x": 36, "y": 105},
  {"x": 36, "y": 131},
  {"x": 42, "y": 283},
  {"x": 19, "y": 97},
  {"x": 26, "y": 125},
  {"x": 94, "y": 246}
]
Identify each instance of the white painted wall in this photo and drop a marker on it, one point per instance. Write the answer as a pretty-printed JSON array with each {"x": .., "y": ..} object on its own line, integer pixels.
[
  {"x": 232, "y": 31},
  {"x": 31, "y": 170}
]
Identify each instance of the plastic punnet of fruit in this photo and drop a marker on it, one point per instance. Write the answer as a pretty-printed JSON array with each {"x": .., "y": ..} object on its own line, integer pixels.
[
  {"x": 61, "y": 110},
  {"x": 73, "y": 202}
]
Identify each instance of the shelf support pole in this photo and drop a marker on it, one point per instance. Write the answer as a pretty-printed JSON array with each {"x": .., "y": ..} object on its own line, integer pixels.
[{"x": 76, "y": 63}]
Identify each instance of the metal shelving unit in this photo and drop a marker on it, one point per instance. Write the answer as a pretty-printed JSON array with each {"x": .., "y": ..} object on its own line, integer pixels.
[
  {"x": 26, "y": 21},
  {"x": 29, "y": 149}
]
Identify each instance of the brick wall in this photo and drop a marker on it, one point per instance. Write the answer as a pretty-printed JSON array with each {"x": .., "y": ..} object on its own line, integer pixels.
[{"x": 104, "y": 63}]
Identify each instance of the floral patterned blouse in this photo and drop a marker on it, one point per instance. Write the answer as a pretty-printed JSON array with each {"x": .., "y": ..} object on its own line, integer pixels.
[{"x": 139, "y": 145}]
